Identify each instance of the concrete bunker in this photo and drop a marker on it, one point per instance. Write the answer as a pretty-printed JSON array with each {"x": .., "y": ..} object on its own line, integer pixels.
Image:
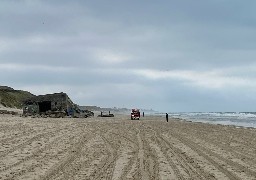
[
  {"x": 44, "y": 106},
  {"x": 53, "y": 105}
]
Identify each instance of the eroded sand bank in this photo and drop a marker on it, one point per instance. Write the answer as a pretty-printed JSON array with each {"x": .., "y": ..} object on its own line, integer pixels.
[{"x": 119, "y": 148}]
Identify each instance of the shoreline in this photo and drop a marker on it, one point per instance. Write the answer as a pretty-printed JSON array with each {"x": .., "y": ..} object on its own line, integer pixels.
[{"x": 20, "y": 111}]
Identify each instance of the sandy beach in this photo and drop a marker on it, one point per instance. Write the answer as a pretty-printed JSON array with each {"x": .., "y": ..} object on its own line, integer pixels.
[{"x": 120, "y": 148}]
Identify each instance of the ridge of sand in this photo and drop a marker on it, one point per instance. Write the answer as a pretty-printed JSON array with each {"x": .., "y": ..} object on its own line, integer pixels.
[{"x": 11, "y": 109}]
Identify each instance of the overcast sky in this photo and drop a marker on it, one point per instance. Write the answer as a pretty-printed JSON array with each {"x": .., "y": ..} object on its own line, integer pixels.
[{"x": 166, "y": 55}]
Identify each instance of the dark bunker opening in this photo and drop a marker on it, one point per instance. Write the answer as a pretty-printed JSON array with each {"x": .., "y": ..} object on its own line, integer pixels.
[{"x": 44, "y": 106}]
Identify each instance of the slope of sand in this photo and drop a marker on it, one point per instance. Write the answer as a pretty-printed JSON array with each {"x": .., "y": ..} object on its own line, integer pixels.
[
  {"x": 118, "y": 148},
  {"x": 19, "y": 111}
]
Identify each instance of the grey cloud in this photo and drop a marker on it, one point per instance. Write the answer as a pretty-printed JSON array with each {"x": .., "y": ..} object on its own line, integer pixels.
[{"x": 99, "y": 45}]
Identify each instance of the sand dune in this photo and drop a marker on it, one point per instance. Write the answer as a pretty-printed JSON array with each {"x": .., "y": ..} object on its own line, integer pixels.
[{"x": 118, "y": 148}]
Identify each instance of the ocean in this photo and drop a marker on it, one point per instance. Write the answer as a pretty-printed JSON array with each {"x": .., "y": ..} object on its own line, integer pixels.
[{"x": 239, "y": 119}]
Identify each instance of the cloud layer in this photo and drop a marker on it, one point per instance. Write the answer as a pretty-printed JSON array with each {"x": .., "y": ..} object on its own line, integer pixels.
[{"x": 169, "y": 56}]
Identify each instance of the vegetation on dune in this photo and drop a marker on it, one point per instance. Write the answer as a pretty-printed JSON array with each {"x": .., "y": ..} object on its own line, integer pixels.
[{"x": 13, "y": 98}]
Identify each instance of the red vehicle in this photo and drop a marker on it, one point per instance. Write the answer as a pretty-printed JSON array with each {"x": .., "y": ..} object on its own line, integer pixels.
[{"x": 135, "y": 114}]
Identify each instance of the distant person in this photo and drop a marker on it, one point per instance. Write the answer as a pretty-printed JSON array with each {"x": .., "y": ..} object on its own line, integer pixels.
[
  {"x": 143, "y": 114},
  {"x": 166, "y": 116},
  {"x": 101, "y": 113}
]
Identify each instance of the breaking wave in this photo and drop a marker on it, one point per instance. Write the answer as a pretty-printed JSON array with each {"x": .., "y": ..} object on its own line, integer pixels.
[{"x": 244, "y": 119}]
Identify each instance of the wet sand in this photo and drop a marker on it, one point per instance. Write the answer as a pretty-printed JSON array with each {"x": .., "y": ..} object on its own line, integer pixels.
[{"x": 120, "y": 148}]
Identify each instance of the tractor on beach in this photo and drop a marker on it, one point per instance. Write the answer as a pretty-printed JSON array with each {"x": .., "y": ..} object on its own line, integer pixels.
[{"x": 135, "y": 114}]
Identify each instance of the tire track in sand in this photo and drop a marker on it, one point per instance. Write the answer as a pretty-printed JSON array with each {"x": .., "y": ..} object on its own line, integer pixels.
[
  {"x": 74, "y": 153},
  {"x": 208, "y": 156},
  {"x": 105, "y": 168},
  {"x": 34, "y": 154},
  {"x": 129, "y": 171},
  {"x": 143, "y": 173},
  {"x": 129, "y": 154},
  {"x": 37, "y": 156},
  {"x": 27, "y": 142},
  {"x": 188, "y": 166},
  {"x": 180, "y": 166}
]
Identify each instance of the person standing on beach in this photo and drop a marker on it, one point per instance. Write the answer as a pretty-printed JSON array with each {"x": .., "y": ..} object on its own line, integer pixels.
[
  {"x": 166, "y": 116},
  {"x": 143, "y": 114}
]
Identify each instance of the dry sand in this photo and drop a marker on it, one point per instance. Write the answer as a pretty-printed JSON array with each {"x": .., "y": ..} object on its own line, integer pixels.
[
  {"x": 19, "y": 111},
  {"x": 119, "y": 148}
]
